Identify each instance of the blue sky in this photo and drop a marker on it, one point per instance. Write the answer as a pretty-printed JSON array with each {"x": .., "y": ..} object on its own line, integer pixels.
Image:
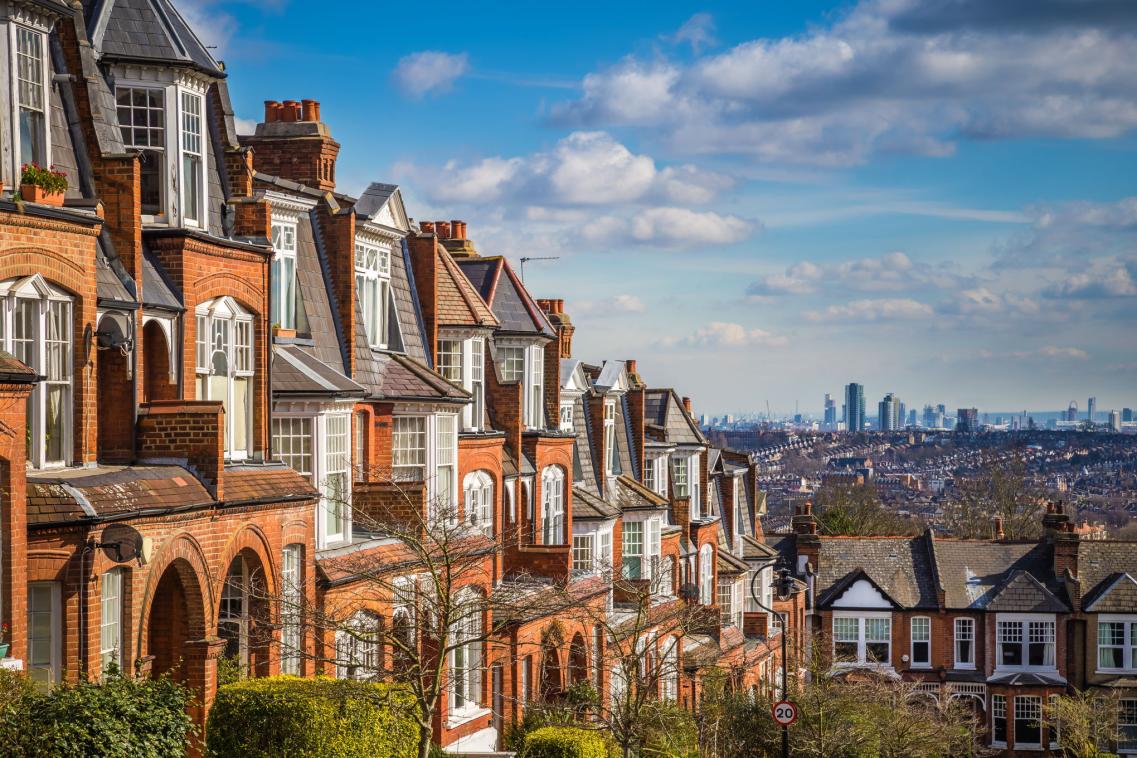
[{"x": 760, "y": 201}]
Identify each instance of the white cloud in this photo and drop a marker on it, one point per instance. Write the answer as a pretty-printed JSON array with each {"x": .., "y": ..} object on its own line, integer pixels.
[
  {"x": 697, "y": 31},
  {"x": 983, "y": 302},
  {"x": 428, "y": 71},
  {"x": 721, "y": 334},
  {"x": 245, "y": 125},
  {"x": 891, "y": 272},
  {"x": 888, "y": 76},
  {"x": 1047, "y": 353},
  {"x": 882, "y": 309},
  {"x": 671, "y": 227},
  {"x": 1106, "y": 280},
  {"x": 619, "y": 305}
]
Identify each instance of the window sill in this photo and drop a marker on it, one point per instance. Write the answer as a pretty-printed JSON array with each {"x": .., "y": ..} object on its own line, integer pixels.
[
  {"x": 964, "y": 667},
  {"x": 1115, "y": 671},
  {"x": 455, "y": 720}
]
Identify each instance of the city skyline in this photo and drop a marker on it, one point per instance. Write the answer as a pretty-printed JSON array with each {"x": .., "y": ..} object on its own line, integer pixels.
[{"x": 845, "y": 197}]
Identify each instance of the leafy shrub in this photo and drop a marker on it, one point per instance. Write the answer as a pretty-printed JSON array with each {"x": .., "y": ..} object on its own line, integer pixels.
[
  {"x": 537, "y": 716},
  {"x": 316, "y": 718},
  {"x": 563, "y": 742},
  {"x": 118, "y": 717},
  {"x": 48, "y": 180}
]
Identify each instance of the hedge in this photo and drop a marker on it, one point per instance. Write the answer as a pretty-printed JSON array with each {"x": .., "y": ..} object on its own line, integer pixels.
[
  {"x": 563, "y": 742},
  {"x": 316, "y": 718}
]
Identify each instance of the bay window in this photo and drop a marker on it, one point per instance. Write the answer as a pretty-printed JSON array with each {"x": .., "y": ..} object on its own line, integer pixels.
[
  {"x": 604, "y": 551},
  {"x": 1117, "y": 643},
  {"x": 965, "y": 643},
  {"x": 609, "y": 437},
  {"x": 284, "y": 300},
  {"x": 462, "y": 361},
  {"x": 526, "y": 364},
  {"x": 633, "y": 549},
  {"x": 730, "y": 602},
  {"x": 408, "y": 449},
  {"x": 110, "y": 618},
  {"x": 921, "y": 642},
  {"x": 224, "y": 370},
  {"x": 1024, "y": 642},
  {"x": 142, "y": 123},
  {"x": 446, "y": 464},
  {"x": 512, "y": 360},
  {"x": 44, "y": 634},
  {"x": 862, "y": 638},
  {"x": 706, "y": 574},
  {"x": 679, "y": 484},
  {"x": 669, "y": 671},
  {"x": 35, "y": 326},
  {"x": 337, "y": 487},
  {"x": 193, "y": 159},
  {"x": 694, "y": 487},
  {"x": 317, "y": 448},
  {"x": 422, "y": 444},
  {"x": 553, "y": 505},
  {"x": 582, "y": 553},
  {"x": 31, "y": 76},
  {"x": 999, "y": 720},
  {"x": 655, "y": 474},
  {"x": 373, "y": 289},
  {"x": 1028, "y": 721},
  {"x": 292, "y": 597},
  {"x": 566, "y": 417},
  {"x": 465, "y": 656},
  {"x": 478, "y": 500},
  {"x": 357, "y": 648}
]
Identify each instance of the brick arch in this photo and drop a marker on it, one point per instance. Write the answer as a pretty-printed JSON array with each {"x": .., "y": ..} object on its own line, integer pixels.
[
  {"x": 185, "y": 555},
  {"x": 56, "y": 267},
  {"x": 250, "y": 538},
  {"x": 249, "y": 295}
]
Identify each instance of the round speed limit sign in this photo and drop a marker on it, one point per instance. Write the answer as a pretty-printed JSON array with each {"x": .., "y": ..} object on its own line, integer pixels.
[{"x": 785, "y": 712}]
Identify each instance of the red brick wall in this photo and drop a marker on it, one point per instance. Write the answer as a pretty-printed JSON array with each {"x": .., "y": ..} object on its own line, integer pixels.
[
  {"x": 13, "y": 515},
  {"x": 192, "y": 430},
  {"x": 424, "y": 265}
]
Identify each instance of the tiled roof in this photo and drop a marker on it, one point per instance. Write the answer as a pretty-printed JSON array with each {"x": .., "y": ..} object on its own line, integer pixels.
[
  {"x": 971, "y": 571},
  {"x": 1098, "y": 560},
  {"x": 459, "y": 304},
  {"x": 631, "y": 495},
  {"x": 312, "y": 295},
  {"x": 728, "y": 564},
  {"x": 110, "y": 490},
  {"x": 156, "y": 287},
  {"x": 483, "y": 273},
  {"x": 12, "y": 369},
  {"x": 901, "y": 566},
  {"x": 400, "y": 377},
  {"x": 752, "y": 549},
  {"x": 295, "y": 371},
  {"x": 1117, "y": 594},
  {"x": 147, "y": 30},
  {"x": 664, "y": 411},
  {"x": 406, "y": 306},
  {"x": 588, "y": 507},
  {"x": 1022, "y": 593},
  {"x": 506, "y": 295},
  {"x": 265, "y": 482}
]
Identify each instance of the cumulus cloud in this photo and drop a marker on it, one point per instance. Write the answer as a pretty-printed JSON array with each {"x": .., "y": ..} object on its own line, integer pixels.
[
  {"x": 429, "y": 71},
  {"x": 878, "y": 309},
  {"x": 1106, "y": 280},
  {"x": 891, "y": 272},
  {"x": 888, "y": 76},
  {"x": 618, "y": 305},
  {"x": 981, "y": 301},
  {"x": 722, "y": 334},
  {"x": 584, "y": 168},
  {"x": 671, "y": 227},
  {"x": 1071, "y": 235}
]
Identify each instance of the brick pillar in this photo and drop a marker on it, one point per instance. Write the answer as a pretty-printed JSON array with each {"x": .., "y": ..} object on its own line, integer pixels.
[
  {"x": 338, "y": 233},
  {"x": 424, "y": 262},
  {"x": 200, "y": 661},
  {"x": 13, "y": 513},
  {"x": 190, "y": 430}
]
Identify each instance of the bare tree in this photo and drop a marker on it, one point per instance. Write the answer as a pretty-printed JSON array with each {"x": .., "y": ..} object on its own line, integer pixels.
[
  {"x": 1000, "y": 489},
  {"x": 856, "y": 510},
  {"x": 1086, "y": 723}
]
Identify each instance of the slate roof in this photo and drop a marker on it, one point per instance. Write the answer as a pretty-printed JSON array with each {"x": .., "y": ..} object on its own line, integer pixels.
[
  {"x": 108, "y": 285},
  {"x": 312, "y": 295},
  {"x": 588, "y": 507},
  {"x": 156, "y": 287},
  {"x": 399, "y": 377},
  {"x": 901, "y": 566},
  {"x": 149, "y": 31},
  {"x": 374, "y": 198},
  {"x": 406, "y": 306},
  {"x": 630, "y": 495},
  {"x": 296, "y": 372},
  {"x": 666, "y": 420},
  {"x": 1099, "y": 561},
  {"x": 76, "y": 494},
  {"x": 500, "y": 288},
  {"x": 972, "y": 571},
  {"x": 12, "y": 369},
  {"x": 1117, "y": 594}
]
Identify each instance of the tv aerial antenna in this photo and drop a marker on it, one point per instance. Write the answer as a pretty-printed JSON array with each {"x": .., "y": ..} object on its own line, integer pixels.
[{"x": 526, "y": 259}]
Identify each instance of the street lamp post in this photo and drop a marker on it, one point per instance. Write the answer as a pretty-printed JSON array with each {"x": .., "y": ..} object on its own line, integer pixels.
[{"x": 785, "y": 589}]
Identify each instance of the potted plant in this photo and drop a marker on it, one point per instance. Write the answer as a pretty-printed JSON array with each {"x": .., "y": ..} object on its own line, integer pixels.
[
  {"x": 282, "y": 332},
  {"x": 41, "y": 185},
  {"x": 4, "y": 640}
]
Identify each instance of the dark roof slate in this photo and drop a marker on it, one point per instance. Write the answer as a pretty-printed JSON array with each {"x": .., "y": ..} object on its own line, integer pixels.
[
  {"x": 296, "y": 372},
  {"x": 900, "y": 566},
  {"x": 148, "y": 30},
  {"x": 972, "y": 571},
  {"x": 156, "y": 287},
  {"x": 1099, "y": 560}
]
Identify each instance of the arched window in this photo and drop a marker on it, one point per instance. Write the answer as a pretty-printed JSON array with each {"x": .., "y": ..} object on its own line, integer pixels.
[
  {"x": 35, "y": 324},
  {"x": 233, "y": 617},
  {"x": 478, "y": 489},
  {"x": 669, "y": 671},
  {"x": 706, "y": 575},
  {"x": 553, "y": 505},
  {"x": 224, "y": 361},
  {"x": 357, "y": 647},
  {"x": 466, "y": 655}
]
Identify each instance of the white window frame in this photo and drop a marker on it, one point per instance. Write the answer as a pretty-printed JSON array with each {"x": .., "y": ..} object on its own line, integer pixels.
[
  {"x": 111, "y": 588},
  {"x": 698, "y": 509},
  {"x": 41, "y": 36},
  {"x": 358, "y": 648},
  {"x": 634, "y": 539},
  {"x": 609, "y": 437},
  {"x": 465, "y": 658},
  {"x": 681, "y": 476},
  {"x": 583, "y": 552},
  {"x": 50, "y": 357},
  {"x": 925, "y": 636},
  {"x": 236, "y": 594},
  {"x": 45, "y": 672},
  {"x": 1024, "y": 622},
  {"x": 1037, "y": 715},
  {"x": 478, "y": 501},
  {"x": 655, "y": 473},
  {"x": 292, "y": 597},
  {"x": 435, "y": 460},
  {"x": 669, "y": 671},
  {"x": 1128, "y": 645},
  {"x": 192, "y": 147},
  {"x": 566, "y": 420},
  {"x": 959, "y": 625},
  {"x": 861, "y": 617},
  {"x": 328, "y": 452},
  {"x": 337, "y": 463},
  {"x": 706, "y": 574},
  {"x": 604, "y": 549},
  {"x": 999, "y": 711},
  {"x": 535, "y": 388},
  {"x": 283, "y": 277},
  {"x": 373, "y": 289},
  {"x": 156, "y": 136},
  {"x": 553, "y": 520},
  {"x": 462, "y": 362},
  {"x": 240, "y": 363}
]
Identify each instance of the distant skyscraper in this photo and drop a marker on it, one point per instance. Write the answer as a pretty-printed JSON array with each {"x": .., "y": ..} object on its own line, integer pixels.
[
  {"x": 901, "y": 415},
  {"x": 854, "y": 407},
  {"x": 967, "y": 420},
  {"x": 1091, "y": 408},
  {"x": 888, "y": 413},
  {"x": 830, "y": 411},
  {"x": 1114, "y": 421},
  {"x": 1127, "y": 415},
  {"x": 929, "y": 417},
  {"x": 1072, "y": 411},
  {"x": 912, "y": 418}
]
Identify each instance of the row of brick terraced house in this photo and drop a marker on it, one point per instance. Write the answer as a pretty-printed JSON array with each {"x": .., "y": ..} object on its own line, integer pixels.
[{"x": 214, "y": 365}]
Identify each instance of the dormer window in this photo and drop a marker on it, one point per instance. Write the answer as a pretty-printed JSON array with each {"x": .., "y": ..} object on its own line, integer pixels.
[
  {"x": 463, "y": 363},
  {"x": 526, "y": 364},
  {"x": 609, "y": 437},
  {"x": 224, "y": 368},
  {"x": 566, "y": 417},
  {"x": 373, "y": 289},
  {"x": 35, "y": 326},
  {"x": 142, "y": 122},
  {"x": 286, "y": 310},
  {"x": 193, "y": 160},
  {"x": 31, "y": 74}
]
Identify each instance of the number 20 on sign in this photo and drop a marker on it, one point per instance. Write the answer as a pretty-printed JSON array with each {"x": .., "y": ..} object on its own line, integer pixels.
[{"x": 785, "y": 712}]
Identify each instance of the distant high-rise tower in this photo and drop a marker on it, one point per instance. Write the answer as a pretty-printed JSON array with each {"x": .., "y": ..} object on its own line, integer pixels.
[
  {"x": 830, "y": 412},
  {"x": 1115, "y": 421},
  {"x": 854, "y": 407},
  {"x": 911, "y": 421},
  {"x": 901, "y": 415},
  {"x": 1091, "y": 409},
  {"x": 967, "y": 420},
  {"x": 1072, "y": 411},
  {"x": 888, "y": 413},
  {"x": 1127, "y": 415}
]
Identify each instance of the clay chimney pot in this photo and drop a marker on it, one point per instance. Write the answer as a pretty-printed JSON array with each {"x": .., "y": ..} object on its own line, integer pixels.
[
  {"x": 427, "y": 227},
  {"x": 272, "y": 111},
  {"x": 443, "y": 228},
  {"x": 289, "y": 110},
  {"x": 630, "y": 365},
  {"x": 457, "y": 230},
  {"x": 311, "y": 110},
  {"x": 687, "y": 405}
]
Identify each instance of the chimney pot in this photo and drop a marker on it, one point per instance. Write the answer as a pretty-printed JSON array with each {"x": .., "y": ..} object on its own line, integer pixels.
[
  {"x": 808, "y": 507},
  {"x": 687, "y": 405},
  {"x": 427, "y": 227},
  {"x": 630, "y": 365},
  {"x": 443, "y": 228},
  {"x": 999, "y": 533},
  {"x": 457, "y": 230},
  {"x": 311, "y": 110},
  {"x": 558, "y": 306},
  {"x": 289, "y": 108},
  {"x": 272, "y": 111}
]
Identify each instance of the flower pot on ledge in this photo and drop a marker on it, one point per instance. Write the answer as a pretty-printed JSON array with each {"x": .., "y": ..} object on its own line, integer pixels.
[
  {"x": 33, "y": 193},
  {"x": 280, "y": 331}
]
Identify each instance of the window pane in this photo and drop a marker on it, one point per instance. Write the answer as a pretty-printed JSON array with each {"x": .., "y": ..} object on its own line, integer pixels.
[{"x": 408, "y": 443}]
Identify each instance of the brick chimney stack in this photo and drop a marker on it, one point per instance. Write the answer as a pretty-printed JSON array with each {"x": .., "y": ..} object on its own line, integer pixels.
[
  {"x": 294, "y": 143},
  {"x": 452, "y": 235},
  {"x": 562, "y": 324},
  {"x": 687, "y": 407}
]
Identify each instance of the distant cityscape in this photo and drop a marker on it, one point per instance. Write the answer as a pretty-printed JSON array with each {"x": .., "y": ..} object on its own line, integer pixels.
[{"x": 893, "y": 414}]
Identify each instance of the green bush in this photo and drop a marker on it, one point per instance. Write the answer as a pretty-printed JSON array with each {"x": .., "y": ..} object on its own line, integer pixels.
[
  {"x": 563, "y": 742},
  {"x": 118, "y": 717},
  {"x": 316, "y": 718}
]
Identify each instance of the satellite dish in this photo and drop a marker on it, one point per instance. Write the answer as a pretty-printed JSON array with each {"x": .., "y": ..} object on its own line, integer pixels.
[
  {"x": 115, "y": 330},
  {"x": 121, "y": 543}
]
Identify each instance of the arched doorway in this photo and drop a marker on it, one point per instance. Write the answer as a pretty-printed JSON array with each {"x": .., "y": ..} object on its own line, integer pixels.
[
  {"x": 114, "y": 406},
  {"x": 578, "y": 661},
  {"x": 176, "y": 617},
  {"x": 156, "y": 384},
  {"x": 242, "y": 617},
  {"x": 551, "y": 682}
]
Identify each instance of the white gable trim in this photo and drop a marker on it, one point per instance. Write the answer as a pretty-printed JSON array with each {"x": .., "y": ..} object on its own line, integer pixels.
[{"x": 862, "y": 595}]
